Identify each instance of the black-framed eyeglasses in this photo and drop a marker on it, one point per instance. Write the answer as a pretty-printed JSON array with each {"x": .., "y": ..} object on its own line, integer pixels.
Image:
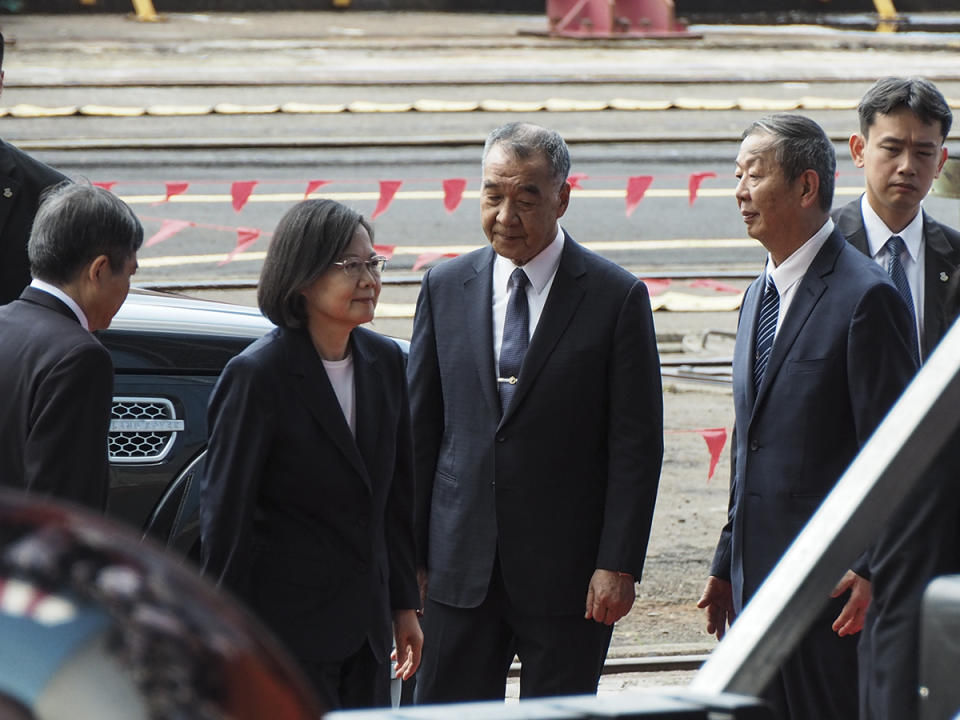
[{"x": 354, "y": 266}]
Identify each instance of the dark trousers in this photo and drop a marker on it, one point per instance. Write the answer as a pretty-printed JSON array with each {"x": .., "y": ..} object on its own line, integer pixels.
[
  {"x": 359, "y": 681},
  {"x": 818, "y": 681},
  {"x": 467, "y": 651}
]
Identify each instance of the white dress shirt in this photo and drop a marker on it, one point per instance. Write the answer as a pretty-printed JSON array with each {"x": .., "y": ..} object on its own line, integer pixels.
[
  {"x": 541, "y": 271},
  {"x": 340, "y": 373},
  {"x": 877, "y": 235},
  {"x": 788, "y": 274},
  {"x": 61, "y": 295}
]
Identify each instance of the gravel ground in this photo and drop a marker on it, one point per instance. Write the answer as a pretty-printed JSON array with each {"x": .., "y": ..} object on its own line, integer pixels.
[{"x": 690, "y": 512}]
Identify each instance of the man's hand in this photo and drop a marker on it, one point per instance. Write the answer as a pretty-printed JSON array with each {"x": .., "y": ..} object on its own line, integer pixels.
[
  {"x": 610, "y": 596},
  {"x": 409, "y": 639},
  {"x": 850, "y": 620},
  {"x": 717, "y": 600}
]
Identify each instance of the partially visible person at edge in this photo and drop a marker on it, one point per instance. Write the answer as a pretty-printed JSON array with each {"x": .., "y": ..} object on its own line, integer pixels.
[
  {"x": 904, "y": 123},
  {"x": 56, "y": 379},
  {"x": 538, "y": 427},
  {"x": 823, "y": 349},
  {"x": 22, "y": 180},
  {"x": 307, "y": 496}
]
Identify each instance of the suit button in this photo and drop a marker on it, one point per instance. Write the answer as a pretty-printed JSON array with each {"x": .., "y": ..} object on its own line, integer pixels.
[
  {"x": 361, "y": 567},
  {"x": 362, "y": 521},
  {"x": 754, "y": 445},
  {"x": 501, "y": 438}
]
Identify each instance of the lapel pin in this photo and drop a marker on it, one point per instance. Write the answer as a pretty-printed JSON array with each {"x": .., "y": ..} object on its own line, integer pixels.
[
  {"x": 7, "y": 192},
  {"x": 944, "y": 277}
]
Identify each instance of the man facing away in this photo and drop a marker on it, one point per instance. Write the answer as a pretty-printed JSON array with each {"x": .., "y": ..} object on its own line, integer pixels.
[
  {"x": 22, "y": 180},
  {"x": 537, "y": 415},
  {"x": 55, "y": 376},
  {"x": 823, "y": 349},
  {"x": 904, "y": 123}
]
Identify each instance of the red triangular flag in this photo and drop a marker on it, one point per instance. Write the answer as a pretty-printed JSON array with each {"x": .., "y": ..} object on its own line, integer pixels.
[
  {"x": 694, "y": 183},
  {"x": 427, "y": 258},
  {"x": 385, "y": 250},
  {"x": 168, "y": 228},
  {"x": 106, "y": 185},
  {"x": 716, "y": 438},
  {"x": 313, "y": 185},
  {"x": 636, "y": 187},
  {"x": 655, "y": 286},
  {"x": 240, "y": 192},
  {"x": 715, "y": 285},
  {"x": 453, "y": 193},
  {"x": 175, "y": 188},
  {"x": 388, "y": 188},
  {"x": 245, "y": 238},
  {"x": 575, "y": 179}
]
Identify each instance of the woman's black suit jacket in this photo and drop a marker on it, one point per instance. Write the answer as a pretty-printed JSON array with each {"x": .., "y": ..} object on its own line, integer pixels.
[{"x": 311, "y": 528}]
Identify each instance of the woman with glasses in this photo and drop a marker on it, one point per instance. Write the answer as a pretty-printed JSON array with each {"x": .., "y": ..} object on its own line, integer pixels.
[{"x": 307, "y": 494}]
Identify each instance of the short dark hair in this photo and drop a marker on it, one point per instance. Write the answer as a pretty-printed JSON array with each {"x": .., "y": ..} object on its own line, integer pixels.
[
  {"x": 919, "y": 96},
  {"x": 799, "y": 144},
  {"x": 311, "y": 236},
  {"x": 524, "y": 139},
  {"x": 76, "y": 223},
  {"x": 2, "y": 41}
]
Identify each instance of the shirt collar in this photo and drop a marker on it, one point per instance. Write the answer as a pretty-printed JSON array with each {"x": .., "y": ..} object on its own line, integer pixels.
[
  {"x": 878, "y": 233},
  {"x": 791, "y": 270},
  {"x": 64, "y": 298},
  {"x": 539, "y": 270}
]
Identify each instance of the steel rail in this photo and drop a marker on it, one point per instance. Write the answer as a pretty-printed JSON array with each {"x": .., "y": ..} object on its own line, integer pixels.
[
  {"x": 418, "y": 141},
  {"x": 649, "y": 664},
  {"x": 413, "y": 279}
]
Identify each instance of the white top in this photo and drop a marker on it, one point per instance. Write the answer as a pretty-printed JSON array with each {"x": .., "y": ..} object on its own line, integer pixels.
[
  {"x": 912, "y": 260},
  {"x": 541, "y": 271},
  {"x": 340, "y": 373},
  {"x": 61, "y": 295},
  {"x": 788, "y": 274}
]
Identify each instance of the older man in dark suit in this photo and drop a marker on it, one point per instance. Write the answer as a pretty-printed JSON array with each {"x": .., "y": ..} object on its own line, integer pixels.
[
  {"x": 55, "y": 376},
  {"x": 824, "y": 347},
  {"x": 537, "y": 416},
  {"x": 22, "y": 180}
]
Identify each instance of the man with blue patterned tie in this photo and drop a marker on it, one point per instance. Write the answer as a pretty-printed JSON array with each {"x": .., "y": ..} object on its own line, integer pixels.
[
  {"x": 538, "y": 436},
  {"x": 904, "y": 123},
  {"x": 809, "y": 387}
]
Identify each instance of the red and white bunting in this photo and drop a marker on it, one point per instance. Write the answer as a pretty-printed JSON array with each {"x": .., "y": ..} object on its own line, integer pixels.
[
  {"x": 388, "y": 188},
  {"x": 168, "y": 228}
]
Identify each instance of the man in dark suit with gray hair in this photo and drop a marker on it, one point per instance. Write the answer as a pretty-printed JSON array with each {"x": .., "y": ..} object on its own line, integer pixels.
[
  {"x": 55, "y": 376},
  {"x": 537, "y": 417},
  {"x": 824, "y": 348}
]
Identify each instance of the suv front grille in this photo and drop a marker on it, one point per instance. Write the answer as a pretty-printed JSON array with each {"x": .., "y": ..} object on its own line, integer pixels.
[{"x": 142, "y": 429}]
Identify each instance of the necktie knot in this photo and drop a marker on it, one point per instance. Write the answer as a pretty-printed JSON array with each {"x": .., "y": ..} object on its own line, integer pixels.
[
  {"x": 518, "y": 279},
  {"x": 895, "y": 246}
]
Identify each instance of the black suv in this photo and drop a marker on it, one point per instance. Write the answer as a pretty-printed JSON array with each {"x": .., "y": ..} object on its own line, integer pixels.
[{"x": 167, "y": 352}]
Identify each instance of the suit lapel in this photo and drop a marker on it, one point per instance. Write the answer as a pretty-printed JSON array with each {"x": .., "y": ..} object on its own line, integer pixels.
[
  {"x": 940, "y": 264},
  {"x": 744, "y": 356},
  {"x": 565, "y": 296},
  {"x": 478, "y": 307},
  {"x": 811, "y": 288},
  {"x": 369, "y": 382},
  {"x": 9, "y": 183},
  {"x": 850, "y": 224},
  {"x": 312, "y": 384}
]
